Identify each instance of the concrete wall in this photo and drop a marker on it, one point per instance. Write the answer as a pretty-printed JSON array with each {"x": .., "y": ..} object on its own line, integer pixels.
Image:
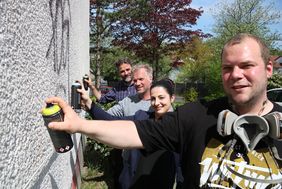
[{"x": 43, "y": 49}]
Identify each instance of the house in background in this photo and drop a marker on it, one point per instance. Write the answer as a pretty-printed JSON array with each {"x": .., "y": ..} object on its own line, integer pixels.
[
  {"x": 277, "y": 64},
  {"x": 175, "y": 69}
]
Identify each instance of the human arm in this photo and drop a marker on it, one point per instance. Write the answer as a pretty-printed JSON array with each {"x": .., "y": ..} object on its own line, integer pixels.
[
  {"x": 110, "y": 96},
  {"x": 94, "y": 111},
  {"x": 94, "y": 90},
  {"x": 98, "y": 113},
  {"x": 118, "y": 109},
  {"x": 103, "y": 99},
  {"x": 118, "y": 134}
]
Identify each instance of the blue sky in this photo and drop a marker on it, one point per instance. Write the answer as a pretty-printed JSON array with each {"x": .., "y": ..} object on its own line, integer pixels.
[{"x": 206, "y": 21}]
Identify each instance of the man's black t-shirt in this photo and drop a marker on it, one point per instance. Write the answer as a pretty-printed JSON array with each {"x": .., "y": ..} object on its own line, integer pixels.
[{"x": 191, "y": 131}]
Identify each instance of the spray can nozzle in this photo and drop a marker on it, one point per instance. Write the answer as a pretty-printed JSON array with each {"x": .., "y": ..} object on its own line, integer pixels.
[{"x": 48, "y": 105}]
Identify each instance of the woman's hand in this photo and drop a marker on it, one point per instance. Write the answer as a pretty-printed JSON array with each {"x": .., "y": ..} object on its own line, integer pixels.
[{"x": 72, "y": 122}]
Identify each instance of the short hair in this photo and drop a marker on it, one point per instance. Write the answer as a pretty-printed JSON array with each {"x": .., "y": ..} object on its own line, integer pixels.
[
  {"x": 148, "y": 69},
  {"x": 123, "y": 61},
  {"x": 167, "y": 84},
  {"x": 264, "y": 50}
]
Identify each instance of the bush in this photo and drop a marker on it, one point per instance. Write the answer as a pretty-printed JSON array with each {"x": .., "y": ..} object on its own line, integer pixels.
[
  {"x": 191, "y": 95},
  {"x": 275, "y": 81},
  {"x": 101, "y": 149}
]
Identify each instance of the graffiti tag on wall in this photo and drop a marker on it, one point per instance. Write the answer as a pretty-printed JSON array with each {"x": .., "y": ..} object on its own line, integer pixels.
[{"x": 58, "y": 49}]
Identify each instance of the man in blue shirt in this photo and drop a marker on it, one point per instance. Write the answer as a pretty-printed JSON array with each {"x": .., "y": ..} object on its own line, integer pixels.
[{"x": 124, "y": 87}]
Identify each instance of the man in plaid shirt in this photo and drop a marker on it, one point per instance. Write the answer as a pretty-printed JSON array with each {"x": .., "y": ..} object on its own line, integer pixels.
[{"x": 124, "y": 87}]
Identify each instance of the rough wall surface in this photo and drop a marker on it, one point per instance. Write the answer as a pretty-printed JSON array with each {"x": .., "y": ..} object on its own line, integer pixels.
[{"x": 43, "y": 50}]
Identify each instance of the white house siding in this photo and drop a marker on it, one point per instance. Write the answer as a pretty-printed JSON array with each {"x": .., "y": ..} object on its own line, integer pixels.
[{"x": 43, "y": 49}]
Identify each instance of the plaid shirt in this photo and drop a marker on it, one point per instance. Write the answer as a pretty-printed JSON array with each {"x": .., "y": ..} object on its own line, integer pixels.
[{"x": 118, "y": 93}]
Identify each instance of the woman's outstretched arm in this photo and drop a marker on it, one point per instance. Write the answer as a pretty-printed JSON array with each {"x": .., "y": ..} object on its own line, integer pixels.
[{"x": 118, "y": 134}]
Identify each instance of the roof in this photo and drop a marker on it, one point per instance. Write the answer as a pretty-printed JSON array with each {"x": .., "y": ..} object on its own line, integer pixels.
[
  {"x": 277, "y": 61},
  {"x": 177, "y": 63}
]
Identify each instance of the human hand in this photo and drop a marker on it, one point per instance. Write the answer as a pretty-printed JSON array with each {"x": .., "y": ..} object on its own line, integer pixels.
[
  {"x": 90, "y": 83},
  {"x": 72, "y": 122},
  {"x": 85, "y": 99},
  {"x": 95, "y": 91}
]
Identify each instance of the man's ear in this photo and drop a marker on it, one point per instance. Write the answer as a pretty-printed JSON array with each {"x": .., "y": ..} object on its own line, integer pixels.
[{"x": 269, "y": 69}]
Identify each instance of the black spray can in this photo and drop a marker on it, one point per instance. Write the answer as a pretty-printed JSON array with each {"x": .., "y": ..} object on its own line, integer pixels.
[
  {"x": 85, "y": 84},
  {"x": 61, "y": 140},
  {"x": 75, "y": 96}
]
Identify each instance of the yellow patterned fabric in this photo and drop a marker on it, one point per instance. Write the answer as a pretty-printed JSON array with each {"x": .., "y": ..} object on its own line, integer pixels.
[{"x": 256, "y": 169}]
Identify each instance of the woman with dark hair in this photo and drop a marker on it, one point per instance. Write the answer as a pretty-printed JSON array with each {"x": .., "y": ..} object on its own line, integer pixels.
[{"x": 141, "y": 170}]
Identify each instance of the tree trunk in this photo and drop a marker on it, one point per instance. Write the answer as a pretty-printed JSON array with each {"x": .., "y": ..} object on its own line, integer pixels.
[
  {"x": 98, "y": 47},
  {"x": 154, "y": 65},
  {"x": 157, "y": 67}
]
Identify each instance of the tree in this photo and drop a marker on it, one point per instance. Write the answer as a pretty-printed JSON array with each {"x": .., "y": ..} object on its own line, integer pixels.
[
  {"x": 109, "y": 70},
  {"x": 250, "y": 16},
  {"x": 202, "y": 65},
  {"x": 100, "y": 11},
  {"x": 275, "y": 81},
  {"x": 276, "y": 52},
  {"x": 149, "y": 28},
  {"x": 196, "y": 55}
]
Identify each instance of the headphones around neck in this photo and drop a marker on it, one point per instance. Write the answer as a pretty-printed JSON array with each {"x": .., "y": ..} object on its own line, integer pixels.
[{"x": 250, "y": 128}]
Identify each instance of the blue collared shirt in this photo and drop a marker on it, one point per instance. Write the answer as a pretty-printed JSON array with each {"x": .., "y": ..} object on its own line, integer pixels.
[{"x": 118, "y": 93}]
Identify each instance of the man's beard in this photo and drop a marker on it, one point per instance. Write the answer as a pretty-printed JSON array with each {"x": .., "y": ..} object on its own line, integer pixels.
[{"x": 127, "y": 79}]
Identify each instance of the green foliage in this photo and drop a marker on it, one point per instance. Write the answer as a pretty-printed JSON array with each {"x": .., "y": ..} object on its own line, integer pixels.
[
  {"x": 96, "y": 172},
  {"x": 97, "y": 161},
  {"x": 196, "y": 56},
  {"x": 101, "y": 149},
  {"x": 276, "y": 52},
  {"x": 175, "y": 105},
  {"x": 203, "y": 65},
  {"x": 213, "y": 82},
  {"x": 165, "y": 66},
  {"x": 275, "y": 81},
  {"x": 246, "y": 16},
  {"x": 108, "y": 105},
  {"x": 108, "y": 59},
  {"x": 190, "y": 95},
  {"x": 150, "y": 28}
]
